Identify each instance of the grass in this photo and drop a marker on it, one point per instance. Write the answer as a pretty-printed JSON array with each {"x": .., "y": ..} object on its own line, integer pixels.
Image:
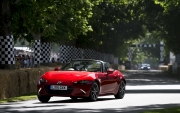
[
  {"x": 167, "y": 110},
  {"x": 29, "y": 96}
]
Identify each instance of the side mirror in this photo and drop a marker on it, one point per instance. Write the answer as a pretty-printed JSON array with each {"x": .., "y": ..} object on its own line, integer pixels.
[
  {"x": 110, "y": 71},
  {"x": 56, "y": 69}
]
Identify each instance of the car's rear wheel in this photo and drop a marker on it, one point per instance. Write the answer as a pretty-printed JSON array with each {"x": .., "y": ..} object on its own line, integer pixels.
[
  {"x": 94, "y": 92},
  {"x": 121, "y": 92},
  {"x": 43, "y": 99}
]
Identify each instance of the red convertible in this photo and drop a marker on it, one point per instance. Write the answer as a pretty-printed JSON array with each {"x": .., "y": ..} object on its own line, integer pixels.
[{"x": 84, "y": 78}]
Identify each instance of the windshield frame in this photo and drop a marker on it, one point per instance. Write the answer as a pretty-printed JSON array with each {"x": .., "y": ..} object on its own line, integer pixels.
[{"x": 83, "y": 65}]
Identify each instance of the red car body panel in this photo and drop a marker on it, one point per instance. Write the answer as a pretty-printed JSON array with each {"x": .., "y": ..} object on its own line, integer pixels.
[
  {"x": 109, "y": 83},
  {"x": 79, "y": 83}
]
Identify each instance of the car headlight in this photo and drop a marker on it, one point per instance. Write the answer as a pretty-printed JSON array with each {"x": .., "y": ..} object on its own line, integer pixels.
[
  {"x": 83, "y": 82},
  {"x": 42, "y": 80}
]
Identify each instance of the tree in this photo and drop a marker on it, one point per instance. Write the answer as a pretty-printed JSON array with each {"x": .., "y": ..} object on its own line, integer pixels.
[
  {"x": 163, "y": 17},
  {"x": 113, "y": 24},
  {"x": 7, "y": 59},
  {"x": 44, "y": 20}
]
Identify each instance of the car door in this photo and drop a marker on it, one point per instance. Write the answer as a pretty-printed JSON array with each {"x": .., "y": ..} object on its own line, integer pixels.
[
  {"x": 112, "y": 80},
  {"x": 103, "y": 78},
  {"x": 108, "y": 81}
]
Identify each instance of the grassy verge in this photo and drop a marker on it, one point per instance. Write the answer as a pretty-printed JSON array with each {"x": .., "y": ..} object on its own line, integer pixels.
[
  {"x": 28, "y": 96},
  {"x": 167, "y": 110}
]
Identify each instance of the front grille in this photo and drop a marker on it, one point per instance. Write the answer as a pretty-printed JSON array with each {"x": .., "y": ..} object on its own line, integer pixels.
[{"x": 59, "y": 92}]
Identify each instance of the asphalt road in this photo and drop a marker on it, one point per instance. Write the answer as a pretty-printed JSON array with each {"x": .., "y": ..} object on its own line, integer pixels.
[{"x": 145, "y": 90}]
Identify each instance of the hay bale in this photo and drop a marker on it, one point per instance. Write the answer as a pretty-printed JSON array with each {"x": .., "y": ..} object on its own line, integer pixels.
[
  {"x": 8, "y": 84},
  {"x": 3, "y": 83},
  {"x": 163, "y": 68},
  {"x": 18, "y": 82},
  {"x": 121, "y": 67}
]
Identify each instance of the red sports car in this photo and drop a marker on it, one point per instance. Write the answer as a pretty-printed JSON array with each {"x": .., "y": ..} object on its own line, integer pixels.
[{"x": 84, "y": 78}]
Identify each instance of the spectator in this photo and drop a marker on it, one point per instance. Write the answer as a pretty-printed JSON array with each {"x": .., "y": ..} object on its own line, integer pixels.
[
  {"x": 31, "y": 61},
  {"x": 58, "y": 60},
  {"x": 18, "y": 65},
  {"x": 28, "y": 58},
  {"x": 53, "y": 60},
  {"x": 25, "y": 62}
]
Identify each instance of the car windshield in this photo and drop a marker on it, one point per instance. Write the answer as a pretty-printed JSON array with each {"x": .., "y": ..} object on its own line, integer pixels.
[
  {"x": 80, "y": 65},
  {"x": 145, "y": 65}
]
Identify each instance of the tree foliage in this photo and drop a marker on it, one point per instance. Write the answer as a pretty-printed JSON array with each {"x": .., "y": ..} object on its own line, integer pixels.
[
  {"x": 40, "y": 18},
  {"x": 163, "y": 17},
  {"x": 113, "y": 26},
  {"x": 108, "y": 26}
]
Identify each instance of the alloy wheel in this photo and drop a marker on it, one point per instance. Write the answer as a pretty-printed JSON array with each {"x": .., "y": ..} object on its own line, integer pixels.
[{"x": 94, "y": 92}]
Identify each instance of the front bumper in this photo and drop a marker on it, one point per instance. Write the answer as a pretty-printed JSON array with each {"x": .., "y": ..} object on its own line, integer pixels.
[
  {"x": 75, "y": 90},
  {"x": 145, "y": 68}
]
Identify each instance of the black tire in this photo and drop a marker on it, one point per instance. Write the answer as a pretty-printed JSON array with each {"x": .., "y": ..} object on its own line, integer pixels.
[
  {"x": 73, "y": 98},
  {"x": 121, "y": 92},
  {"x": 94, "y": 92},
  {"x": 43, "y": 99}
]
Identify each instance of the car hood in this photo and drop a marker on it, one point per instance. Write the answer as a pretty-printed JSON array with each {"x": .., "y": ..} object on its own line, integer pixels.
[{"x": 67, "y": 76}]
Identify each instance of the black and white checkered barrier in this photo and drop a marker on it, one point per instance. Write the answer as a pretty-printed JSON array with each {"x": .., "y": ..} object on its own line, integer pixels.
[
  {"x": 45, "y": 52},
  {"x": 161, "y": 58},
  {"x": 129, "y": 53},
  {"x": 77, "y": 53},
  {"x": 88, "y": 54},
  {"x": 177, "y": 60},
  {"x": 7, "y": 50},
  {"x": 37, "y": 51},
  {"x": 67, "y": 53}
]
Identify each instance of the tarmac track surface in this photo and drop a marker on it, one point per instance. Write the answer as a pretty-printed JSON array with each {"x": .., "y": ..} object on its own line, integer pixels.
[{"x": 145, "y": 90}]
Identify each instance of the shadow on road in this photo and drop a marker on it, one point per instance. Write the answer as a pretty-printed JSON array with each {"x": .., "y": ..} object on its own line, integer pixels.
[
  {"x": 135, "y": 109},
  {"x": 153, "y": 91},
  {"x": 149, "y": 78},
  {"x": 76, "y": 101}
]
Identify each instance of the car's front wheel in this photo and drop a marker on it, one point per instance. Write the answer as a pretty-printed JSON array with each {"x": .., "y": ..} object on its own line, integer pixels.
[
  {"x": 73, "y": 98},
  {"x": 121, "y": 92},
  {"x": 43, "y": 99},
  {"x": 94, "y": 92}
]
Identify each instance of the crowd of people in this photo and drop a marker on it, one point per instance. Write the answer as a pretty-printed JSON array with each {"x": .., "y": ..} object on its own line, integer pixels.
[{"x": 25, "y": 61}]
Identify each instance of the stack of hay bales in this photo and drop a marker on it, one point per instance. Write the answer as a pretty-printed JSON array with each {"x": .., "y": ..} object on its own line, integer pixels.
[{"x": 18, "y": 82}]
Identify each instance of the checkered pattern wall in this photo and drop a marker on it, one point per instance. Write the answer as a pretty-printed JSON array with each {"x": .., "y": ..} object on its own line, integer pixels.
[
  {"x": 7, "y": 50},
  {"x": 67, "y": 53},
  {"x": 37, "y": 51},
  {"x": 45, "y": 52},
  {"x": 77, "y": 53},
  {"x": 116, "y": 60},
  {"x": 177, "y": 58},
  {"x": 109, "y": 58},
  {"x": 129, "y": 53},
  {"x": 88, "y": 54}
]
